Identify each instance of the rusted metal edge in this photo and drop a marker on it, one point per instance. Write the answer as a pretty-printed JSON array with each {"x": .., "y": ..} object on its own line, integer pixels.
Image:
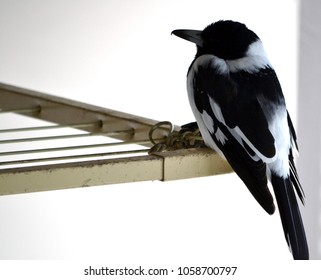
[{"x": 164, "y": 166}]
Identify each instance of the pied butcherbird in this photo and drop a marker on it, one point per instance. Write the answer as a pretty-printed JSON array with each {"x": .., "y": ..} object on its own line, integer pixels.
[{"x": 240, "y": 110}]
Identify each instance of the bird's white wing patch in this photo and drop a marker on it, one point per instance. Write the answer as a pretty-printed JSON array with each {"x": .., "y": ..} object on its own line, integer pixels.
[
  {"x": 220, "y": 136},
  {"x": 237, "y": 134},
  {"x": 217, "y": 111},
  {"x": 206, "y": 125},
  {"x": 208, "y": 121},
  {"x": 237, "y": 131},
  {"x": 204, "y": 121}
]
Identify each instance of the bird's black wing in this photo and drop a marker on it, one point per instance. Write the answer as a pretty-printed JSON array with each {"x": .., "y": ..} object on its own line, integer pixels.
[
  {"x": 251, "y": 108},
  {"x": 236, "y": 113},
  {"x": 293, "y": 173}
]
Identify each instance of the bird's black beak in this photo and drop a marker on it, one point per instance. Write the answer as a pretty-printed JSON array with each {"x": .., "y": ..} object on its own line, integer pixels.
[{"x": 190, "y": 35}]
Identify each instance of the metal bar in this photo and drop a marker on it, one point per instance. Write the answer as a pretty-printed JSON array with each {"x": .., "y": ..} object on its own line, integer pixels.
[
  {"x": 66, "y": 148},
  {"x": 50, "y": 127},
  {"x": 80, "y": 174},
  {"x": 59, "y": 137},
  {"x": 63, "y": 111},
  {"x": 73, "y": 157},
  {"x": 161, "y": 166},
  {"x": 191, "y": 163},
  {"x": 21, "y": 110}
]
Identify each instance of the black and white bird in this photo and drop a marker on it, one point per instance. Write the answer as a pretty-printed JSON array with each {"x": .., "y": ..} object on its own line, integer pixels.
[{"x": 240, "y": 110}]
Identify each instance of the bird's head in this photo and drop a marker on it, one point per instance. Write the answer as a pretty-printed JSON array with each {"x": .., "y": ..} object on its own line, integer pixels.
[{"x": 225, "y": 39}]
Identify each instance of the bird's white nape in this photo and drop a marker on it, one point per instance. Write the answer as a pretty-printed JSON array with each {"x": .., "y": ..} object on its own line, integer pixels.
[{"x": 254, "y": 59}]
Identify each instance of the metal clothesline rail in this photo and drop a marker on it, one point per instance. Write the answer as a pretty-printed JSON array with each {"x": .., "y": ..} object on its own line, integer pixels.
[
  {"x": 51, "y": 127},
  {"x": 107, "y": 146},
  {"x": 74, "y": 157},
  {"x": 65, "y": 136},
  {"x": 78, "y": 147}
]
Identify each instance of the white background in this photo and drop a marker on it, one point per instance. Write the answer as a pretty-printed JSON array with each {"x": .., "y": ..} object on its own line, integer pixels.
[{"x": 120, "y": 55}]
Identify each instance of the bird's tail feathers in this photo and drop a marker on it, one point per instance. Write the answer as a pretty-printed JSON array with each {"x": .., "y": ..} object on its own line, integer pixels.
[
  {"x": 290, "y": 216},
  {"x": 295, "y": 179}
]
